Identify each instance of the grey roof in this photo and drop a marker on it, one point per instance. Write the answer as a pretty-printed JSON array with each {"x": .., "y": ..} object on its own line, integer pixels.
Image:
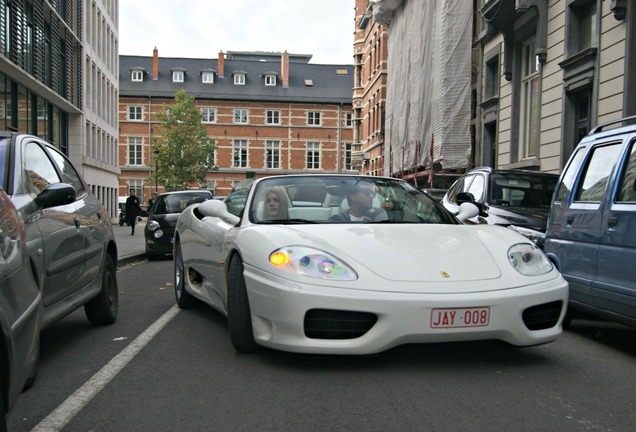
[{"x": 329, "y": 86}]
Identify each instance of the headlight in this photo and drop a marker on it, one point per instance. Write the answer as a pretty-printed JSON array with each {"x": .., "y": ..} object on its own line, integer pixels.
[
  {"x": 311, "y": 262},
  {"x": 158, "y": 233},
  {"x": 528, "y": 260},
  {"x": 152, "y": 225},
  {"x": 537, "y": 237}
]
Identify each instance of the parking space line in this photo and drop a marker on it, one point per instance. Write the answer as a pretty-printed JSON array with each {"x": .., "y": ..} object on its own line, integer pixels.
[{"x": 63, "y": 414}]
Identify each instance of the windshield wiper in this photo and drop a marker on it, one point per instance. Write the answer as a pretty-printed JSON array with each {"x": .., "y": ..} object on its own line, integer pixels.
[{"x": 288, "y": 221}]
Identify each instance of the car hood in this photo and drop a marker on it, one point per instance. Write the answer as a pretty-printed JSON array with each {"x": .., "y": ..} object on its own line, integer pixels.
[
  {"x": 404, "y": 253},
  {"x": 536, "y": 218}
]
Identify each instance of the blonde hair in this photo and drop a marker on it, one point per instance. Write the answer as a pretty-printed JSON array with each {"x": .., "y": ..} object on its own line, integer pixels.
[{"x": 282, "y": 201}]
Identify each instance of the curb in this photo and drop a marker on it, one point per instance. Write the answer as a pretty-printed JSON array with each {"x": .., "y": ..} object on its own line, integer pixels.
[{"x": 128, "y": 259}]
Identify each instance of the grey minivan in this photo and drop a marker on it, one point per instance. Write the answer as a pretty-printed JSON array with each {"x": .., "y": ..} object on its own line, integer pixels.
[{"x": 591, "y": 231}]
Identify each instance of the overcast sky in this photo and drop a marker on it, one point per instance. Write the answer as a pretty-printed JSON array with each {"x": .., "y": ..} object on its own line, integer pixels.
[{"x": 202, "y": 28}]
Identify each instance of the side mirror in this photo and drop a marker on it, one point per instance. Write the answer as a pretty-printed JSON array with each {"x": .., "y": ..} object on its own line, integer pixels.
[
  {"x": 218, "y": 209},
  {"x": 467, "y": 210},
  {"x": 55, "y": 194}
]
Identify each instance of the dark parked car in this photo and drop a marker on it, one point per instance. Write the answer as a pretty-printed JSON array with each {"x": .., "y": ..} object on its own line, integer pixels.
[
  {"x": 20, "y": 310},
  {"x": 70, "y": 241},
  {"x": 518, "y": 199},
  {"x": 591, "y": 234},
  {"x": 162, "y": 218}
]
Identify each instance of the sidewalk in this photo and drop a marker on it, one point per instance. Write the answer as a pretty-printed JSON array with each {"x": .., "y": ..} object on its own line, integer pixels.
[{"x": 129, "y": 248}]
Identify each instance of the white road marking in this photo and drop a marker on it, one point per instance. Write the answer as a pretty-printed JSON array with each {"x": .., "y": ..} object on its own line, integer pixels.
[{"x": 70, "y": 407}]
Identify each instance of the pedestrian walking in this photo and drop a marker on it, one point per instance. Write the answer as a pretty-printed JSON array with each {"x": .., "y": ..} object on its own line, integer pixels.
[{"x": 133, "y": 208}]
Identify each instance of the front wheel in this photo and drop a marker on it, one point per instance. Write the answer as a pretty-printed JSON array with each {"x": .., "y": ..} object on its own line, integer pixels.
[
  {"x": 239, "y": 318},
  {"x": 102, "y": 310},
  {"x": 182, "y": 296}
]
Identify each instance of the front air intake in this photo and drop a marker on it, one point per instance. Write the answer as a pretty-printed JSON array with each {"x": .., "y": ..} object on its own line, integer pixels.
[
  {"x": 337, "y": 324},
  {"x": 542, "y": 316}
]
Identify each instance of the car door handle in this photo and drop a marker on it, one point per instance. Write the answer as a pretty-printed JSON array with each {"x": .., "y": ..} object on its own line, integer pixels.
[
  {"x": 612, "y": 222},
  {"x": 569, "y": 219}
]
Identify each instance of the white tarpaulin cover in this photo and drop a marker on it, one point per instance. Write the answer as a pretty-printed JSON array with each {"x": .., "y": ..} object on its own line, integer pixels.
[{"x": 428, "y": 82}]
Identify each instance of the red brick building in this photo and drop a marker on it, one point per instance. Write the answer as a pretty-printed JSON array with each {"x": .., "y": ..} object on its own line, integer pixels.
[{"x": 269, "y": 113}]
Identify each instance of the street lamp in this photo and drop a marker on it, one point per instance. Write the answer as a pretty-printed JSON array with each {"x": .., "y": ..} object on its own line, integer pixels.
[{"x": 156, "y": 153}]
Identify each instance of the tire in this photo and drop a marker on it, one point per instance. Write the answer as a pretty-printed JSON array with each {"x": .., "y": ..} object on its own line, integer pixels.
[
  {"x": 183, "y": 298},
  {"x": 3, "y": 415},
  {"x": 239, "y": 318},
  {"x": 102, "y": 310}
]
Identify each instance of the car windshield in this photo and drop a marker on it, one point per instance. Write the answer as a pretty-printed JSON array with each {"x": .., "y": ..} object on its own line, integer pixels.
[
  {"x": 342, "y": 199},
  {"x": 176, "y": 203},
  {"x": 522, "y": 190}
]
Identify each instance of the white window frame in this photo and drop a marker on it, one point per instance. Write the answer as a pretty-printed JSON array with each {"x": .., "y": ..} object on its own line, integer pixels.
[
  {"x": 349, "y": 119},
  {"x": 241, "y": 116},
  {"x": 239, "y": 153},
  {"x": 207, "y": 113},
  {"x": 272, "y": 147},
  {"x": 239, "y": 79},
  {"x": 313, "y": 118},
  {"x": 270, "y": 80},
  {"x": 135, "y": 112},
  {"x": 138, "y": 186},
  {"x": 178, "y": 76},
  {"x": 135, "y": 151},
  {"x": 530, "y": 102},
  {"x": 137, "y": 76},
  {"x": 207, "y": 77},
  {"x": 312, "y": 156},
  {"x": 272, "y": 117}
]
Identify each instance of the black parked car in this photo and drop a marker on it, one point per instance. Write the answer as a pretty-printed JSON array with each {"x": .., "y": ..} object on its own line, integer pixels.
[
  {"x": 20, "y": 310},
  {"x": 518, "y": 199},
  {"x": 70, "y": 241},
  {"x": 162, "y": 219}
]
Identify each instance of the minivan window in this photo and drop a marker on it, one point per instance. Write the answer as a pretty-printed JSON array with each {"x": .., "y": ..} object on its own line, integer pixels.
[
  {"x": 596, "y": 174},
  {"x": 627, "y": 190},
  {"x": 567, "y": 182}
]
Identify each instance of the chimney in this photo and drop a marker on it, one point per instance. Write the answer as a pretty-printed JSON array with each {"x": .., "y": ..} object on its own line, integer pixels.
[
  {"x": 284, "y": 69},
  {"x": 221, "y": 64},
  {"x": 155, "y": 64}
]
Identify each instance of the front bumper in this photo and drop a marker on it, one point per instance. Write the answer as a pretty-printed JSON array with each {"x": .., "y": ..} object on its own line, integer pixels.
[{"x": 278, "y": 309}]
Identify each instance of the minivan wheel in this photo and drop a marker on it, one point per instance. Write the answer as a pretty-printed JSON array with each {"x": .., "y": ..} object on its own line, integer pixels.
[{"x": 102, "y": 310}]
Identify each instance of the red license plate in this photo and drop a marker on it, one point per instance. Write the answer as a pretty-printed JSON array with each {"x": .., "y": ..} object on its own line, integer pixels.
[{"x": 460, "y": 317}]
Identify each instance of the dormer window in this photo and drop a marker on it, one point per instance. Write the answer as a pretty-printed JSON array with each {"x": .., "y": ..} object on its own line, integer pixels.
[
  {"x": 239, "y": 78},
  {"x": 207, "y": 77},
  {"x": 270, "y": 78},
  {"x": 137, "y": 76},
  {"x": 177, "y": 76}
]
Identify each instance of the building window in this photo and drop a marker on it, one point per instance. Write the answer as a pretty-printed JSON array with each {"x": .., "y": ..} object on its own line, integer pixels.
[
  {"x": 349, "y": 119},
  {"x": 272, "y": 154},
  {"x": 239, "y": 79},
  {"x": 208, "y": 115},
  {"x": 138, "y": 186},
  {"x": 491, "y": 78},
  {"x": 529, "y": 119},
  {"x": 240, "y": 153},
  {"x": 135, "y": 113},
  {"x": 207, "y": 77},
  {"x": 135, "y": 151},
  {"x": 270, "y": 80},
  {"x": 177, "y": 76},
  {"x": 313, "y": 155},
  {"x": 272, "y": 117},
  {"x": 240, "y": 116},
  {"x": 137, "y": 76},
  {"x": 347, "y": 156},
  {"x": 211, "y": 185},
  {"x": 211, "y": 159},
  {"x": 313, "y": 118},
  {"x": 582, "y": 27}
]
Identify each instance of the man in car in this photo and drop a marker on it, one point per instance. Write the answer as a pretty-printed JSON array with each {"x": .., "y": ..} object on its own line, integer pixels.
[{"x": 360, "y": 201}]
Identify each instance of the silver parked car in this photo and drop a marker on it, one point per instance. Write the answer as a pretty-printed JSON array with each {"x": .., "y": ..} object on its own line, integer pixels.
[
  {"x": 20, "y": 310},
  {"x": 70, "y": 241}
]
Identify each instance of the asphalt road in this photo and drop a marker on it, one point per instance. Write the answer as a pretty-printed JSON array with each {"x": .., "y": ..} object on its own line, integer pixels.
[{"x": 162, "y": 369}]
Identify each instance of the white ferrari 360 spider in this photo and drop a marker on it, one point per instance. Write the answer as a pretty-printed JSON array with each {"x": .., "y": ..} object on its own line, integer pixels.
[{"x": 344, "y": 264}]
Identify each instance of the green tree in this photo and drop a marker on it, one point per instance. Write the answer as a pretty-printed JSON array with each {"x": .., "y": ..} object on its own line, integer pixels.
[{"x": 184, "y": 151}]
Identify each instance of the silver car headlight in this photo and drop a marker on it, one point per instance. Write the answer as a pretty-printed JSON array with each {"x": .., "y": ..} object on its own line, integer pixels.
[
  {"x": 528, "y": 260},
  {"x": 158, "y": 233},
  {"x": 311, "y": 262},
  {"x": 153, "y": 225}
]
